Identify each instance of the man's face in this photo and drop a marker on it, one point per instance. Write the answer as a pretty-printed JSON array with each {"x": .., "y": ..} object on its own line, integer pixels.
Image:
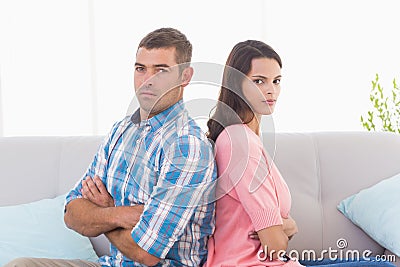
[{"x": 158, "y": 83}]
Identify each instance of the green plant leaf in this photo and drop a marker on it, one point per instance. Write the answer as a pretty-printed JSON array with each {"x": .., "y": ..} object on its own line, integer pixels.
[{"x": 385, "y": 108}]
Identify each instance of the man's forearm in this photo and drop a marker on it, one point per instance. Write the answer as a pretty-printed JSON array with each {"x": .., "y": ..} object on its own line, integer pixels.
[
  {"x": 122, "y": 239},
  {"x": 88, "y": 219}
]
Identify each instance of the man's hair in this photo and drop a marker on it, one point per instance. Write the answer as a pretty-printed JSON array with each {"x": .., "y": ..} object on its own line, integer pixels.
[{"x": 167, "y": 38}]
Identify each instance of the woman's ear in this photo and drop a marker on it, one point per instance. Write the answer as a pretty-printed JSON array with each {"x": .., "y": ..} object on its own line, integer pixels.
[{"x": 187, "y": 75}]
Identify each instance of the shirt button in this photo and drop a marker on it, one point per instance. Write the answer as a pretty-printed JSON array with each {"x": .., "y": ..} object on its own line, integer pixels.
[{"x": 119, "y": 257}]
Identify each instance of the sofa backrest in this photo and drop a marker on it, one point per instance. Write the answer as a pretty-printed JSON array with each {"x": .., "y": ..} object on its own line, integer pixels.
[{"x": 322, "y": 169}]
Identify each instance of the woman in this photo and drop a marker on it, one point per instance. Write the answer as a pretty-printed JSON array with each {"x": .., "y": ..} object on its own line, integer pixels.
[
  {"x": 252, "y": 196},
  {"x": 253, "y": 223}
]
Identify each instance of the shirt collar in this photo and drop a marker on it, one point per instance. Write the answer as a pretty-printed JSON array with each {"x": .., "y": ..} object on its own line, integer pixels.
[{"x": 162, "y": 118}]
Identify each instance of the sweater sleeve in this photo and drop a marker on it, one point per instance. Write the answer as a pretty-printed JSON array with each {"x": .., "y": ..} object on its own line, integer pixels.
[{"x": 245, "y": 173}]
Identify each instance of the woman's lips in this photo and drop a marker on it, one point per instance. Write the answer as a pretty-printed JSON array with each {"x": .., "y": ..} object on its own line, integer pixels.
[{"x": 270, "y": 102}]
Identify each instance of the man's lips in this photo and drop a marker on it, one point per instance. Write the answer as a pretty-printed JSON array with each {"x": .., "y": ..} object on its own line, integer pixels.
[{"x": 146, "y": 93}]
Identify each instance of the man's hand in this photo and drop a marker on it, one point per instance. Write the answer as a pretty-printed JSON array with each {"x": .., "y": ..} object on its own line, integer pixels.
[{"x": 95, "y": 191}]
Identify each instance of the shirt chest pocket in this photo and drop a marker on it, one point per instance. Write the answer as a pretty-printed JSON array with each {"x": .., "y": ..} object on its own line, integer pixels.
[{"x": 142, "y": 180}]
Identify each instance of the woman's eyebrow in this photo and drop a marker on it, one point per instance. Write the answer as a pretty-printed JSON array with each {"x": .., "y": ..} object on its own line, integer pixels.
[
  {"x": 264, "y": 77},
  {"x": 259, "y": 76}
]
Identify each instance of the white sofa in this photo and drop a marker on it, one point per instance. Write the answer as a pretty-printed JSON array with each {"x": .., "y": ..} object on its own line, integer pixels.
[{"x": 321, "y": 169}]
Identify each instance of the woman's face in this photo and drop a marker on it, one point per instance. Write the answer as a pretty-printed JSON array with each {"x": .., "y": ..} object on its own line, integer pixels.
[{"x": 261, "y": 88}]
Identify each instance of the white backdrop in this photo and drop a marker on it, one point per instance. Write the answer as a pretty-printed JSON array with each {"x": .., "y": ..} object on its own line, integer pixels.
[
  {"x": 1, "y": 108},
  {"x": 331, "y": 52},
  {"x": 66, "y": 65}
]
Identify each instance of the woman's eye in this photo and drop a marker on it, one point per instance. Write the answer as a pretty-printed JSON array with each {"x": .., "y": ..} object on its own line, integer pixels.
[
  {"x": 277, "y": 81},
  {"x": 258, "y": 81}
]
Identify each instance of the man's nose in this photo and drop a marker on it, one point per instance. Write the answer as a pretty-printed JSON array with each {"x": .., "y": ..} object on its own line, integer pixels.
[{"x": 148, "y": 79}]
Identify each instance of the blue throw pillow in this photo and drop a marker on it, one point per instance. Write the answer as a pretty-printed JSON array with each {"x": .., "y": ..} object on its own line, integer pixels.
[
  {"x": 376, "y": 210},
  {"x": 37, "y": 230}
]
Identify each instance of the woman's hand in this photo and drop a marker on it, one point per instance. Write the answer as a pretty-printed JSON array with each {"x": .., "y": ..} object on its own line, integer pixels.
[
  {"x": 253, "y": 235},
  {"x": 289, "y": 227}
]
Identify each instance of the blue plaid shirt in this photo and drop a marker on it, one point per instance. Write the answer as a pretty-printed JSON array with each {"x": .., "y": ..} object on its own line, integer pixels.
[{"x": 165, "y": 163}]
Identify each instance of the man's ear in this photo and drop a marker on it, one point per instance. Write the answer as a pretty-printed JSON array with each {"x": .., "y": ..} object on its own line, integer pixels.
[{"x": 187, "y": 75}]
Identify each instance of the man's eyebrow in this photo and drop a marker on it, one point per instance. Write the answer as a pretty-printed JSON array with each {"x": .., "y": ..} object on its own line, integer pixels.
[
  {"x": 161, "y": 66},
  {"x": 155, "y": 66}
]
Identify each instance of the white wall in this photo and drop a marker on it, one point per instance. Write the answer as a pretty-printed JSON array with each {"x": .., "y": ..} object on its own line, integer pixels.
[
  {"x": 1, "y": 108},
  {"x": 331, "y": 52},
  {"x": 45, "y": 67},
  {"x": 67, "y": 64}
]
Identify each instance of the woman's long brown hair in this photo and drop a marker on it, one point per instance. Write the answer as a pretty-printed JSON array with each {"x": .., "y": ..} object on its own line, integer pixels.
[{"x": 232, "y": 107}]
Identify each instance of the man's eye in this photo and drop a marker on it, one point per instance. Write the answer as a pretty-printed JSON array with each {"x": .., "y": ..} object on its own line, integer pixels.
[
  {"x": 258, "y": 81},
  {"x": 277, "y": 81},
  {"x": 162, "y": 70},
  {"x": 139, "y": 69}
]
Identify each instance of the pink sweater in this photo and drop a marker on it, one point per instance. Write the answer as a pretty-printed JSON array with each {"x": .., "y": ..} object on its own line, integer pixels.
[{"x": 251, "y": 195}]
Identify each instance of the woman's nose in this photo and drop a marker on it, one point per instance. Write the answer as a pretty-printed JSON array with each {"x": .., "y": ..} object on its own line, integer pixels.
[{"x": 269, "y": 88}]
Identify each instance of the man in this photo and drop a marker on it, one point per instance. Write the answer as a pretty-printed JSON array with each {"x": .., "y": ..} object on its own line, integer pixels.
[{"x": 150, "y": 187}]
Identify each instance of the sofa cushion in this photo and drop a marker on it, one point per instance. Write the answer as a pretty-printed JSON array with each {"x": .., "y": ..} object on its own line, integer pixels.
[
  {"x": 37, "y": 229},
  {"x": 376, "y": 210}
]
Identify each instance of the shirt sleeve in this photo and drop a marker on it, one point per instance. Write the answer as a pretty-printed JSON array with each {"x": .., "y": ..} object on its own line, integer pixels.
[
  {"x": 186, "y": 183},
  {"x": 242, "y": 166},
  {"x": 97, "y": 167}
]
